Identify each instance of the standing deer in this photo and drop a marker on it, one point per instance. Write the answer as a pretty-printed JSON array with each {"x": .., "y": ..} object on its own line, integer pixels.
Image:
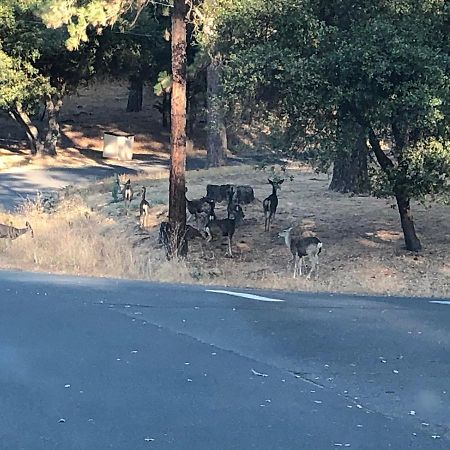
[
  {"x": 225, "y": 227},
  {"x": 300, "y": 247},
  {"x": 144, "y": 209},
  {"x": 270, "y": 203},
  {"x": 127, "y": 195}
]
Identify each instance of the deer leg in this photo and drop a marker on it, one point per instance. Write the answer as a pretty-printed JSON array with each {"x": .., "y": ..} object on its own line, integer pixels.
[
  {"x": 230, "y": 253},
  {"x": 208, "y": 234},
  {"x": 300, "y": 265},
  {"x": 295, "y": 266},
  {"x": 317, "y": 266},
  {"x": 313, "y": 266}
]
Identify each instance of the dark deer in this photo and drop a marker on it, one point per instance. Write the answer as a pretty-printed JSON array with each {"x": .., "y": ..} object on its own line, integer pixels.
[
  {"x": 225, "y": 227},
  {"x": 270, "y": 203},
  {"x": 144, "y": 208}
]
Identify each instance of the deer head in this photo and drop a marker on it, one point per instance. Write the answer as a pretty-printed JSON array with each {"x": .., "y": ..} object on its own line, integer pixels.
[
  {"x": 276, "y": 184},
  {"x": 27, "y": 224}
]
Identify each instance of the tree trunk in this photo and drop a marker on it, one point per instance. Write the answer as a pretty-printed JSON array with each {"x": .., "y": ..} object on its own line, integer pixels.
[
  {"x": 48, "y": 143},
  {"x": 165, "y": 109},
  {"x": 135, "y": 95},
  {"x": 350, "y": 169},
  {"x": 22, "y": 118},
  {"x": 177, "y": 200},
  {"x": 412, "y": 242},
  {"x": 52, "y": 134},
  {"x": 191, "y": 114},
  {"x": 217, "y": 133}
]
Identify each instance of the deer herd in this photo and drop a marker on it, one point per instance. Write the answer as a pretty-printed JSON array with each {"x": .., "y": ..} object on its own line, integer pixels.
[{"x": 208, "y": 226}]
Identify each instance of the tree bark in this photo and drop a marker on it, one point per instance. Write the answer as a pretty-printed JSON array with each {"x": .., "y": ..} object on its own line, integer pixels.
[
  {"x": 52, "y": 134},
  {"x": 350, "y": 169},
  {"x": 135, "y": 95},
  {"x": 177, "y": 199},
  {"x": 216, "y": 130},
  {"x": 412, "y": 242},
  {"x": 46, "y": 141}
]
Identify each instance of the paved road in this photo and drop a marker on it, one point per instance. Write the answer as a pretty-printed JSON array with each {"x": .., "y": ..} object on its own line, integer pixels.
[
  {"x": 18, "y": 183},
  {"x": 99, "y": 364},
  {"x": 21, "y": 182}
]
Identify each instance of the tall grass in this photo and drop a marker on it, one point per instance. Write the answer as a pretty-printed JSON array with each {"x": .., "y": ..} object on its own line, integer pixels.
[{"x": 75, "y": 240}]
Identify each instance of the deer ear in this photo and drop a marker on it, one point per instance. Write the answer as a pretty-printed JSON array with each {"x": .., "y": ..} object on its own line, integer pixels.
[
  {"x": 281, "y": 182},
  {"x": 269, "y": 180}
]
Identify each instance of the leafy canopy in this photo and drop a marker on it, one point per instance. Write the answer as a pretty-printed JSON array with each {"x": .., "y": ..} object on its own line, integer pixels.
[{"x": 325, "y": 66}]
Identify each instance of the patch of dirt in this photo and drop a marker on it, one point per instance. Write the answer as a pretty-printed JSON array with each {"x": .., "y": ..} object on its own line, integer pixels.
[
  {"x": 85, "y": 116},
  {"x": 363, "y": 249}
]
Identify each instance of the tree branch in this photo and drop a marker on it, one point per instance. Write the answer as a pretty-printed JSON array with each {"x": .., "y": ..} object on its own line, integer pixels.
[{"x": 383, "y": 160}]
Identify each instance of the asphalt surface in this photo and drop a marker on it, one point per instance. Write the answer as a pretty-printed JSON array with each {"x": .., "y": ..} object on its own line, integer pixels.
[
  {"x": 20, "y": 183},
  {"x": 107, "y": 364}
]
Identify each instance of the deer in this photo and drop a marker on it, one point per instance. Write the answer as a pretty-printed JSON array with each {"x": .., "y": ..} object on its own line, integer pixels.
[
  {"x": 11, "y": 233},
  {"x": 225, "y": 227},
  {"x": 270, "y": 203},
  {"x": 144, "y": 208},
  {"x": 232, "y": 201},
  {"x": 201, "y": 208},
  {"x": 127, "y": 192},
  {"x": 300, "y": 247}
]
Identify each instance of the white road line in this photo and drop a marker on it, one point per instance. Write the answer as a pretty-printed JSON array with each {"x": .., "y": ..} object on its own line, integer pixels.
[
  {"x": 242, "y": 294},
  {"x": 441, "y": 302}
]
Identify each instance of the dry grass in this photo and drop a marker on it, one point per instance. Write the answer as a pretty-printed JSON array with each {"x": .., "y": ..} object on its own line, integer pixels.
[
  {"x": 87, "y": 234},
  {"x": 362, "y": 253}
]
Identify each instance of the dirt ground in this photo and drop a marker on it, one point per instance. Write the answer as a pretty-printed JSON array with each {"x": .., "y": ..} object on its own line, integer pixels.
[
  {"x": 88, "y": 234},
  {"x": 85, "y": 116},
  {"x": 362, "y": 240}
]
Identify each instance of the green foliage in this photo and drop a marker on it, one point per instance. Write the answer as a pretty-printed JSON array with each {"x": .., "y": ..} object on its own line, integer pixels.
[
  {"x": 79, "y": 15},
  {"x": 34, "y": 60},
  {"x": 164, "y": 84},
  {"x": 20, "y": 83},
  {"x": 325, "y": 66},
  {"x": 134, "y": 50},
  {"x": 424, "y": 174}
]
